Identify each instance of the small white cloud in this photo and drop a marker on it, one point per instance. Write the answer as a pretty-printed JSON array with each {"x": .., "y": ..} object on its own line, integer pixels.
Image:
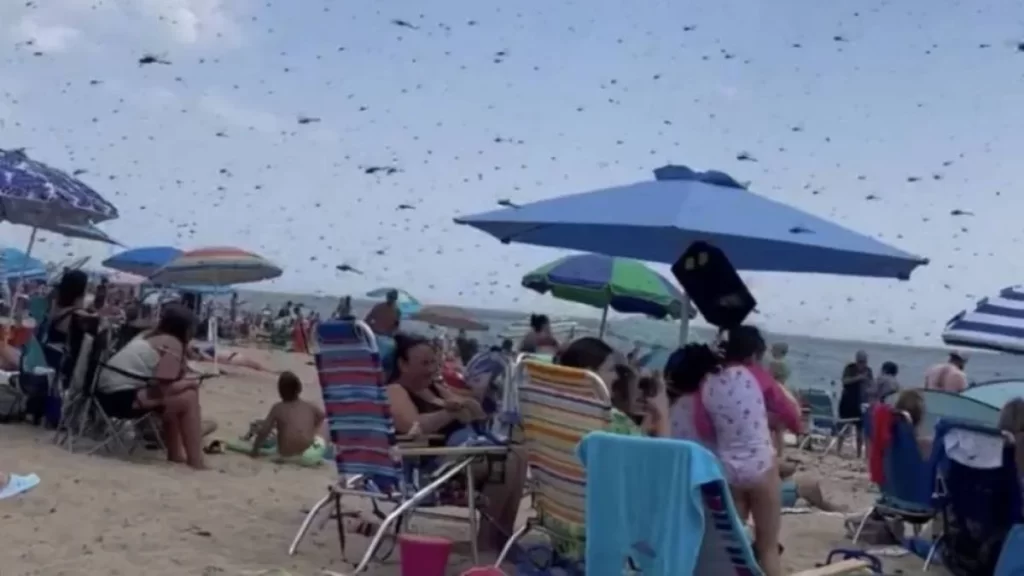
[
  {"x": 237, "y": 114},
  {"x": 45, "y": 37},
  {"x": 192, "y": 21}
]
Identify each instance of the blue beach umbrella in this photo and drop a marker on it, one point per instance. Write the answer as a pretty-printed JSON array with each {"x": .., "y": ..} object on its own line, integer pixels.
[
  {"x": 656, "y": 221},
  {"x": 996, "y": 392},
  {"x": 407, "y": 303},
  {"x": 995, "y": 323},
  {"x": 142, "y": 261},
  {"x": 85, "y": 232},
  {"x": 34, "y": 194},
  {"x": 15, "y": 264}
]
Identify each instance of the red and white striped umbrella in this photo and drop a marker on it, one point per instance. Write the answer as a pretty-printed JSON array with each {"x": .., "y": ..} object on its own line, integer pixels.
[{"x": 216, "y": 266}]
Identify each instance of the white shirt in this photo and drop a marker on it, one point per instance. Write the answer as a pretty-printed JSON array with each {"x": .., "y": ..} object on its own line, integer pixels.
[{"x": 137, "y": 357}]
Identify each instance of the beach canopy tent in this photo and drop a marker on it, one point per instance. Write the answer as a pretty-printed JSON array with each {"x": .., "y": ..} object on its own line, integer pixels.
[
  {"x": 15, "y": 264},
  {"x": 941, "y": 404},
  {"x": 656, "y": 221},
  {"x": 996, "y": 392},
  {"x": 142, "y": 261},
  {"x": 606, "y": 282},
  {"x": 407, "y": 303},
  {"x": 995, "y": 323}
]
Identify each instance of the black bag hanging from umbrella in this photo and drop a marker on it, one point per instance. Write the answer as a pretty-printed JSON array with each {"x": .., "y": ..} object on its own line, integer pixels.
[{"x": 714, "y": 286}]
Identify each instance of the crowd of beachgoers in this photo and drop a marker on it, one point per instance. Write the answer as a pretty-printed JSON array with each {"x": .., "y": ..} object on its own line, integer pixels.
[{"x": 730, "y": 396}]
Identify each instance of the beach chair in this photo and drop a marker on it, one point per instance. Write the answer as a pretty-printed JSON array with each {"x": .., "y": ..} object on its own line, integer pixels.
[
  {"x": 82, "y": 415},
  {"x": 907, "y": 484},
  {"x": 978, "y": 494},
  {"x": 490, "y": 377},
  {"x": 823, "y": 424},
  {"x": 558, "y": 407},
  {"x": 716, "y": 545},
  {"x": 374, "y": 463}
]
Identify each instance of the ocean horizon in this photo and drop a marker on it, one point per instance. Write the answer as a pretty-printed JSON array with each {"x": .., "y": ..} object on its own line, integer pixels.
[{"x": 817, "y": 362}]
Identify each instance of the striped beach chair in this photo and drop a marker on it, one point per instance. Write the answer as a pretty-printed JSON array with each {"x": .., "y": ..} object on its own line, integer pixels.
[
  {"x": 372, "y": 462},
  {"x": 558, "y": 407}
]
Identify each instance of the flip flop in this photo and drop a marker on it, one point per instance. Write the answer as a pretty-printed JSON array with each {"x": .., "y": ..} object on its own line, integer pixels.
[{"x": 18, "y": 484}]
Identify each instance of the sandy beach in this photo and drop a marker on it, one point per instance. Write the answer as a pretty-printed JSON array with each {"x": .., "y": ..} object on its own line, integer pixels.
[{"x": 107, "y": 515}]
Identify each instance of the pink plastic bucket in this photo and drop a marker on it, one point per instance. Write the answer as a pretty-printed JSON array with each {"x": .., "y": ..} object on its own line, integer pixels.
[
  {"x": 484, "y": 571},
  {"x": 424, "y": 555}
]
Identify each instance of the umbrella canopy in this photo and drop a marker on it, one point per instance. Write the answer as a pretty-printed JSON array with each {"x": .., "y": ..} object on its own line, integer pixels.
[
  {"x": 622, "y": 284},
  {"x": 142, "y": 261},
  {"x": 16, "y": 264},
  {"x": 123, "y": 278},
  {"x": 995, "y": 323},
  {"x": 34, "y": 194},
  {"x": 215, "y": 266},
  {"x": 996, "y": 392},
  {"x": 85, "y": 232},
  {"x": 407, "y": 303},
  {"x": 656, "y": 221},
  {"x": 448, "y": 317},
  {"x": 947, "y": 405}
]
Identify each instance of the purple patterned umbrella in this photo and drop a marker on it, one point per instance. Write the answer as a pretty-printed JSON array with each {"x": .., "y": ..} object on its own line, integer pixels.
[{"x": 34, "y": 194}]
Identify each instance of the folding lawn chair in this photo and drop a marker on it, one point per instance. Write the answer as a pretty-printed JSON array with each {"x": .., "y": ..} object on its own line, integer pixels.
[
  {"x": 720, "y": 547},
  {"x": 559, "y": 406},
  {"x": 371, "y": 462},
  {"x": 82, "y": 415},
  {"x": 823, "y": 424},
  {"x": 979, "y": 498},
  {"x": 907, "y": 484},
  {"x": 490, "y": 376}
]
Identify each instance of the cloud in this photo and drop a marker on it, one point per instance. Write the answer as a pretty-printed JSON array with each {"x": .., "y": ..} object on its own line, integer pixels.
[
  {"x": 193, "y": 21},
  {"x": 45, "y": 37},
  {"x": 240, "y": 115}
]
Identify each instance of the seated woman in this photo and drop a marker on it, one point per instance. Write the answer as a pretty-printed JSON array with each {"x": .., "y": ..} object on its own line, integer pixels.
[
  {"x": 721, "y": 405},
  {"x": 633, "y": 413},
  {"x": 68, "y": 298},
  {"x": 148, "y": 374},
  {"x": 419, "y": 406}
]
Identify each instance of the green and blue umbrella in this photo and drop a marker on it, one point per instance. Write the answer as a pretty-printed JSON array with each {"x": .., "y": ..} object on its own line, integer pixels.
[
  {"x": 407, "y": 303},
  {"x": 621, "y": 284}
]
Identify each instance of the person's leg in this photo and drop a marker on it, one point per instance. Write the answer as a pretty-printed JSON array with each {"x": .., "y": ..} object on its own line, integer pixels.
[
  {"x": 765, "y": 498},
  {"x": 859, "y": 431},
  {"x": 183, "y": 427},
  {"x": 810, "y": 490}
]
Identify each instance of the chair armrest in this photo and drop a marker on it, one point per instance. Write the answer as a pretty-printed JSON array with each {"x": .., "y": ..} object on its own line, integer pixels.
[
  {"x": 851, "y": 566},
  {"x": 459, "y": 451}
]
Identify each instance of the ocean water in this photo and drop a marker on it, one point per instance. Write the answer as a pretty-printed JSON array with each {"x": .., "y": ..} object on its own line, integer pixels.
[{"x": 816, "y": 362}]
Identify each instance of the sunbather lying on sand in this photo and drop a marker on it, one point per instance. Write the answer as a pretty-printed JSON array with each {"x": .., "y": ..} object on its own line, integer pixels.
[
  {"x": 796, "y": 486},
  {"x": 228, "y": 357}
]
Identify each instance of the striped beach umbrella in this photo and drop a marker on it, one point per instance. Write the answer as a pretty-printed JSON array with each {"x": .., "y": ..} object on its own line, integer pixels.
[
  {"x": 995, "y": 323},
  {"x": 216, "y": 266},
  {"x": 604, "y": 282}
]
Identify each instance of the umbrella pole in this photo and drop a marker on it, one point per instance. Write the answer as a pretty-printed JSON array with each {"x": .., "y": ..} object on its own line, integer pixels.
[
  {"x": 604, "y": 320},
  {"x": 684, "y": 321}
]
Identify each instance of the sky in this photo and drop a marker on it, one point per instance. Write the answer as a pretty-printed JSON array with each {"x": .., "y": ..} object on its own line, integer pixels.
[{"x": 256, "y": 127}]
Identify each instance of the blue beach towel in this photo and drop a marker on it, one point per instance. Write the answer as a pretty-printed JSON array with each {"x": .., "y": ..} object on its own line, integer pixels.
[{"x": 644, "y": 505}]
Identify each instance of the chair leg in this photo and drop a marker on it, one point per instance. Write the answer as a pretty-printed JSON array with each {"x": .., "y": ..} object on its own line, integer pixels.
[
  {"x": 404, "y": 507},
  {"x": 516, "y": 536},
  {"x": 932, "y": 550},
  {"x": 863, "y": 521},
  {"x": 308, "y": 520}
]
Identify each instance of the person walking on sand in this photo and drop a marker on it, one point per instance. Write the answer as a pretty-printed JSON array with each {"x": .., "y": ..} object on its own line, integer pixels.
[
  {"x": 948, "y": 376},
  {"x": 857, "y": 376},
  {"x": 385, "y": 317}
]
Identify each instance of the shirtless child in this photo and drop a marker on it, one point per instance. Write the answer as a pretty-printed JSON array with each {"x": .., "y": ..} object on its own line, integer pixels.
[{"x": 296, "y": 422}]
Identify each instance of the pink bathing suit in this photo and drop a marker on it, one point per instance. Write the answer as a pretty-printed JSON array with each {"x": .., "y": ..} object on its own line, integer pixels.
[{"x": 730, "y": 416}]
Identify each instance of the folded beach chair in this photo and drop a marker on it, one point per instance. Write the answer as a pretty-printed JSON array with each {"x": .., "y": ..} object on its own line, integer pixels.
[
  {"x": 82, "y": 415},
  {"x": 823, "y": 423},
  {"x": 661, "y": 507},
  {"x": 371, "y": 461},
  {"x": 907, "y": 480},
  {"x": 559, "y": 406},
  {"x": 978, "y": 494},
  {"x": 490, "y": 378}
]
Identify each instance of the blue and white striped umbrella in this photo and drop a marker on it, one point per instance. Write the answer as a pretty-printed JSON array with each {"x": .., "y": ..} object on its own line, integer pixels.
[{"x": 995, "y": 323}]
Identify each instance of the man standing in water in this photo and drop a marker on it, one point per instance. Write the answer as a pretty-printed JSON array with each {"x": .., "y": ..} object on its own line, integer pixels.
[
  {"x": 857, "y": 376},
  {"x": 949, "y": 375},
  {"x": 385, "y": 317}
]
